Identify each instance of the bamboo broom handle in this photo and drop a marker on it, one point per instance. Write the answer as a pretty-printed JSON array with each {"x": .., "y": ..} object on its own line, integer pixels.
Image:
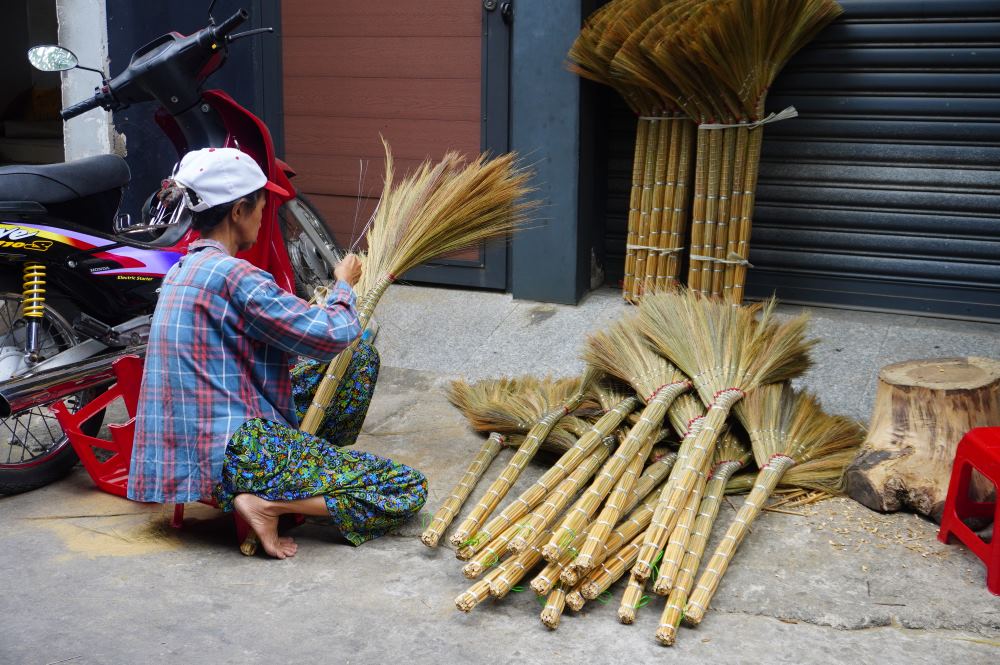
[
  {"x": 639, "y": 517},
  {"x": 613, "y": 509},
  {"x": 678, "y": 224},
  {"x": 556, "y": 501},
  {"x": 632, "y": 525},
  {"x": 746, "y": 222},
  {"x": 335, "y": 371},
  {"x": 721, "y": 239},
  {"x": 702, "y": 595},
  {"x": 711, "y": 210},
  {"x": 475, "y": 594},
  {"x": 709, "y": 510},
  {"x": 700, "y": 204},
  {"x": 554, "y": 606},
  {"x": 635, "y": 201},
  {"x": 575, "y": 600},
  {"x": 632, "y": 600},
  {"x": 499, "y": 488},
  {"x": 645, "y": 207},
  {"x": 584, "y": 446},
  {"x": 640, "y": 284},
  {"x": 664, "y": 240},
  {"x": 490, "y": 555},
  {"x": 513, "y": 569},
  {"x": 675, "y": 493},
  {"x": 648, "y": 425},
  {"x": 446, "y": 513},
  {"x": 601, "y": 578},
  {"x": 673, "y": 555},
  {"x": 736, "y": 203}
]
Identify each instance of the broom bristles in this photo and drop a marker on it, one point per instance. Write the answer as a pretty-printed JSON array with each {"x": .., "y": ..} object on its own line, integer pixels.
[{"x": 621, "y": 351}]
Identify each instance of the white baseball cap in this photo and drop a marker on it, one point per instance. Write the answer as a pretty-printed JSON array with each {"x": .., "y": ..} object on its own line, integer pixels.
[{"x": 221, "y": 175}]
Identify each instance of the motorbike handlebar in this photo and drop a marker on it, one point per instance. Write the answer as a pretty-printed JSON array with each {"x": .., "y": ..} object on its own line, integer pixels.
[
  {"x": 231, "y": 23},
  {"x": 80, "y": 107}
]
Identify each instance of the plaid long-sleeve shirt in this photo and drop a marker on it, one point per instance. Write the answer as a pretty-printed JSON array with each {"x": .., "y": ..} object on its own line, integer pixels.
[{"x": 222, "y": 340}]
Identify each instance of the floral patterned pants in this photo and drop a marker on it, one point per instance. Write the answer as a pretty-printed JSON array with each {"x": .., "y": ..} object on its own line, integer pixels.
[{"x": 366, "y": 495}]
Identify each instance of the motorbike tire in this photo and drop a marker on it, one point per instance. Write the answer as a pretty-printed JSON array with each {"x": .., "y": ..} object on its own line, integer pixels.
[
  {"x": 311, "y": 247},
  {"x": 57, "y": 459}
]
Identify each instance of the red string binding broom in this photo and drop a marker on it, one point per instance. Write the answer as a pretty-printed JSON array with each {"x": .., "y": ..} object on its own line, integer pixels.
[
  {"x": 727, "y": 353},
  {"x": 786, "y": 427}
]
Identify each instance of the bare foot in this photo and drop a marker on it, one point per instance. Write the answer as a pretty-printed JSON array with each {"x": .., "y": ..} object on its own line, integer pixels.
[{"x": 259, "y": 514}]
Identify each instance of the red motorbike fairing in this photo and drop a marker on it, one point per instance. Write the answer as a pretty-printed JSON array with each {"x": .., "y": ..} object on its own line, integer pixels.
[{"x": 249, "y": 134}]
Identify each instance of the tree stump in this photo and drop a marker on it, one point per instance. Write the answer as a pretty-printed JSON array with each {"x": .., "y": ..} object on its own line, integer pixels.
[{"x": 922, "y": 410}]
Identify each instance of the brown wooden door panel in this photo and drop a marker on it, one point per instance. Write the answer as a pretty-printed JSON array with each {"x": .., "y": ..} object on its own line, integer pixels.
[
  {"x": 384, "y": 57},
  {"x": 413, "y": 98},
  {"x": 381, "y": 18},
  {"x": 358, "y": 69}
]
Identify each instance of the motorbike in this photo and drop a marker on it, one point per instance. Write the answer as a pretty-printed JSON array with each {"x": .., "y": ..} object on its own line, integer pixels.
[{"x": 79, "y": 281}]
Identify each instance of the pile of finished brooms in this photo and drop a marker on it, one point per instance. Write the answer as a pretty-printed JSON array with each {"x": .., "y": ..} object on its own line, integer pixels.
[
  {"x": 696, "y": 73},
  {"x": 620, "y": 501}
]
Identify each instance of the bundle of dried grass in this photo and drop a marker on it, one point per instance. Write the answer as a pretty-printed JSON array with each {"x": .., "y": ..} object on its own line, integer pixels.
[
  {"x": 435, "y": 211},
  {"x": 446, "y": 513},
  {"x": 651, "y": 478},
  {"x": 727, "y": 353},
  {"x": 786, "y": 427}
]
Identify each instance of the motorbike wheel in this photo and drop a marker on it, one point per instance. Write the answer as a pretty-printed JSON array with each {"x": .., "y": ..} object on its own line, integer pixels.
[
  {"x": 311, "y": 247},
  {"x": 34, "y": 451}
]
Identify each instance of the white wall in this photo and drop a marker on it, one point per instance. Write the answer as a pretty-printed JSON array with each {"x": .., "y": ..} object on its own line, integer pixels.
[{"x": 83, "y": 28}]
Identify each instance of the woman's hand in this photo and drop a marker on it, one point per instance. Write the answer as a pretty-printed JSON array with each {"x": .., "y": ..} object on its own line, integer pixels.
[{"x": 349, "y": 269}]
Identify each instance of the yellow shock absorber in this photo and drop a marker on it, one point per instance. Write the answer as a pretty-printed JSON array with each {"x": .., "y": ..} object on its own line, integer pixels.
[{"x": 34, "y": 290}]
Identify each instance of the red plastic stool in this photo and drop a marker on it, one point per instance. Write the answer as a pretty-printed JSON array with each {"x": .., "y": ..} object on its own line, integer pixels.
[
  {"x": 979, "y": 449},
  {"x": 111, "y": 475}
]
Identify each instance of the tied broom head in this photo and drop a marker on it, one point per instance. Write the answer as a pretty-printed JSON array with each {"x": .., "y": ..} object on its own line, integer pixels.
[
  {"x": 631, "y": 63},
  {"x": 591, "y": 54},
  {"x": 609, "y": 392},
  {"x": 721, "y": 345},
  {"x": 622, "y": 351},
  {"x": 515, "y": 405},
  {"x": 685, "y": 408},
  {"x": 783, "y": 421},
  {"x": 727, "y": 58},
  {"x": 442, "y": 208}
]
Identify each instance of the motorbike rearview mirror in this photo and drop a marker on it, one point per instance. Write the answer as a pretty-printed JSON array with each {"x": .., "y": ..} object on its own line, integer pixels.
[{"x": 49, "y": 58}]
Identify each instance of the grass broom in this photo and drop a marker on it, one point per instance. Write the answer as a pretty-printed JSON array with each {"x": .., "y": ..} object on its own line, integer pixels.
[
  {"x": 786, "y": 427},
  {"x": 499, "y": 487},
  {"x": 435, "y": 211},
  {"x": 446, "y": 513},
  {"x": 621, "y": 351},
  {"x": 587, "y": 443},
  {"x": 730, "y": 456},
  {"x": 727, "y": 353},
  {"x": 651, "y": 478}
]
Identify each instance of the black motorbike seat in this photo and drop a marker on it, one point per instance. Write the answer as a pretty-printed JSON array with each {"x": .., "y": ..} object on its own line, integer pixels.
[{"x": 59, "y": 183}]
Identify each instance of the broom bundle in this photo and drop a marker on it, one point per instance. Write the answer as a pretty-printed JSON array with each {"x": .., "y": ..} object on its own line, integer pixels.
[
  {"x": 475, "y": 521},
  {"x": 622, "y": 352},
  {"x": 786, "y": 427},
  {"x": 722, "y": 58},
  {"x": 727, "y": 353},
  {"x": 662, "y": 146},
  {"x": 437, "y": 210}
]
